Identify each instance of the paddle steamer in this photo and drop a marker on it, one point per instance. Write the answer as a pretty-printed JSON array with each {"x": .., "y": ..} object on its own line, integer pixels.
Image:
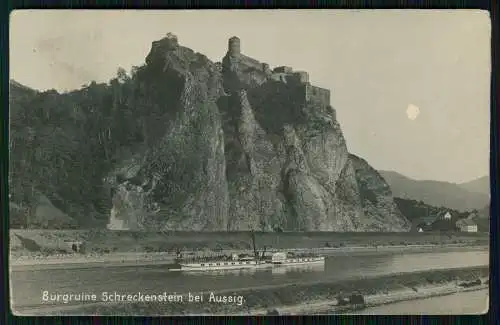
[
  {"x": 290, "y": 259},
  {"x": 227, "y": 262},
  {"x": 245, "y": 261}
]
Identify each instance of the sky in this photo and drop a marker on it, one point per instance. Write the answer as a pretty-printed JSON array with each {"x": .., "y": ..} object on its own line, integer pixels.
[{"x": 411, "y": 87}]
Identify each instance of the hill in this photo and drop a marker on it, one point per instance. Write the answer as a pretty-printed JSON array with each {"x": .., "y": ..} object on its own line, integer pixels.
[
  {"x": 20, "y": 91},
  {"x": 184, "y": 143},
  {"x": 449, "y": 195},
  {"x": 420, "y": 213},
  {"x": 480, "y": 185}
]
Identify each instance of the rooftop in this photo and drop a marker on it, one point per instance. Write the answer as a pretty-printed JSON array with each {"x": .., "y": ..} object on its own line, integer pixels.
[{"x": 466, "y": 222}]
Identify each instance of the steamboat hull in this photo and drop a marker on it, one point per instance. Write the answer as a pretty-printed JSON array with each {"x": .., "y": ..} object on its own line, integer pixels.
[
  {"x": 299, "y": 261},
  {"x": 217, "y": 266}
]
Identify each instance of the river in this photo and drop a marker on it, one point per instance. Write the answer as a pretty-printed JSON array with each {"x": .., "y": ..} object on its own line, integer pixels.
[{"x": 27, "y": 286}]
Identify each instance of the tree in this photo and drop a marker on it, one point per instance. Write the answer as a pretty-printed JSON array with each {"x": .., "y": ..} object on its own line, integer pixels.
[
  {"x": 122, "y": 76},
  {"x": 134, "y": 70}
]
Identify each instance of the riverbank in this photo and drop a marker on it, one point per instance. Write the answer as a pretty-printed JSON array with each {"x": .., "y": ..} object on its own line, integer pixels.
[
  {"x": 24, "y": 242},
  {"x": 325, "y": 307},
  {"x": 310, "y": 298},
  {"x": 68, "y": 261},
  {"x": 324, "y": 298},
  {"x": 453, "y": 304}
]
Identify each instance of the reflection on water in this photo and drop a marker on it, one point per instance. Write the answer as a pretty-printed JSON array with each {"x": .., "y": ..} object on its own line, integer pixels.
[
  {"x": 240, "y": 272},
  {"x": 426, "y": 261},
  {"x": 335, "y": 267},
  {"x": 279, "y": 270},
  {"x": 27, "y": 286},
  {"x": 284, "y": 269}
]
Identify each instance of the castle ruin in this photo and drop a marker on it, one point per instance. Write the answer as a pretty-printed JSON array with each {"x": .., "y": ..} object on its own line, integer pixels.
[
  {"x": 246, "y": 72},
  {"x": 234, "y": 46},
  {"x": 262, "y": 73}
]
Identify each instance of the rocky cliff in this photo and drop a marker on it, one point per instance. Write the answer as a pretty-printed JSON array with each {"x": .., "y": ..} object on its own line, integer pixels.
[{"x": 198, "y": 145}]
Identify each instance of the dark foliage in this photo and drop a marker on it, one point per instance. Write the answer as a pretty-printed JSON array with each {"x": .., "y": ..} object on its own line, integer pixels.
[{"x": 62, "y": 145}]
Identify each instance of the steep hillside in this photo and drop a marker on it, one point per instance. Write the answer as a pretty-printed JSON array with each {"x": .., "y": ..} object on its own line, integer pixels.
[
  {"x": 417, "y": 212},
  {"x": 56, "y": 152},
  {"x": 435, "y": 193},
  {"x": 378, "y": 203},
  {"x": 431, "y": 217},
  {"x": 188, "y": 144}
]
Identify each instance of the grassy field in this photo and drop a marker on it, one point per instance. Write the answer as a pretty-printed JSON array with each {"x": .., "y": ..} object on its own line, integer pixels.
[
  {"x": 291, "y": 295},
  {"x": 105, "y": 241}
]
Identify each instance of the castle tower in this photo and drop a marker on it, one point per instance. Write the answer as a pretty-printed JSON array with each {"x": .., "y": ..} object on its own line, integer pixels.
[{"x": 234, "y": 48}]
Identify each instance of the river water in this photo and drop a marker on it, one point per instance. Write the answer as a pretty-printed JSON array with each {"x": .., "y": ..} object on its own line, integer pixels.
[{"x": 27, "y": 286}]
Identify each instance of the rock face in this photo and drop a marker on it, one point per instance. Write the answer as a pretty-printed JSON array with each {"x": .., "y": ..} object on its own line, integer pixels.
[
  {"x": 381, "y": 212},
  {"x": 246, "y": 148},
  {"x": 180, "y": 183},
  {"x": 234, "y": 145}
]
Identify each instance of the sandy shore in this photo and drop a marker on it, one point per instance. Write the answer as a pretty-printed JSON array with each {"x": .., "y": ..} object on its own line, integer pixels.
[{"x": 137, "y": 258}]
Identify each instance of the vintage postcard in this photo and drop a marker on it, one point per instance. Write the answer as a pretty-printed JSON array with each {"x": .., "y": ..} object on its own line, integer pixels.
[{"x": 249, "y": 162}]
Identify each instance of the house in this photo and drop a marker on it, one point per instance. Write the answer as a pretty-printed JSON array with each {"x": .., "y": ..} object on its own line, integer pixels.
[
  {"x": 446, "y": 216},
  {"x": 424, "y": 223},
  {"x": 444, "y": 222},
  {"x": 466, "y": 225},
  {"x": 421, "y": 227}
]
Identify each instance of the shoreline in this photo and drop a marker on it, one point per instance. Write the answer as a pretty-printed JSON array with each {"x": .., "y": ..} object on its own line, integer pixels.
[
  {"x": 297, "y": 299},
  {"x": 325, "y": 307},
  {"x": 25, "y": 263},
  {"x": 321, "y": 307}
]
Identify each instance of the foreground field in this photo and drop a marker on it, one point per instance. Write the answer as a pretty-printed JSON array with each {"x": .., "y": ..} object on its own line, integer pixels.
[
  {"x": 50, "y": 242},
  {"x": 310, "y": 298}
]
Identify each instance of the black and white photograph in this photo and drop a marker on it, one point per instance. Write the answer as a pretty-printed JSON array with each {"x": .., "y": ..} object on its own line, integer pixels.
[{"x": 249, "y": 162}]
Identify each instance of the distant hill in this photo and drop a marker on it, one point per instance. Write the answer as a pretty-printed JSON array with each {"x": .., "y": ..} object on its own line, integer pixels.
[
  {"x": 435, "y": 193},
  {"x": 484, "y": 212},
  {"x": 480, "y": 185}
]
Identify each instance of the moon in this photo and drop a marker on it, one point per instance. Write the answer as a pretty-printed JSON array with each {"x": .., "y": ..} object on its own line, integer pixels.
[{"x": 412, "y": 112}]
